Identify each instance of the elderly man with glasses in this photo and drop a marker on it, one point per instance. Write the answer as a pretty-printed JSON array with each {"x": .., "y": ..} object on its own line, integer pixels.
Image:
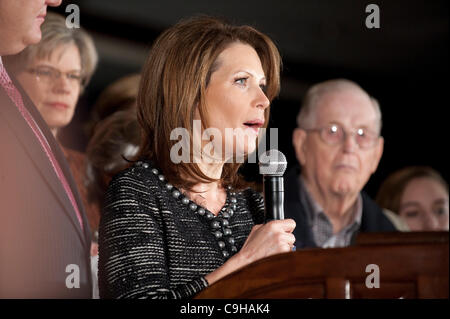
[{"x": 338, "y": 146}]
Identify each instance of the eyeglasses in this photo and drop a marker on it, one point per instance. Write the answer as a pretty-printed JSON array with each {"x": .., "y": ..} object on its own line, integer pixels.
[
  {"x": 49, "y": 75},
  {"x": 335, "y": 134}
]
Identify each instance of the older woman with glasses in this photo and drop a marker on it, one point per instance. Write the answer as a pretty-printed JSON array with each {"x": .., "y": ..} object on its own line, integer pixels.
[
  {"x": 54, "y": 73},
  {"x": 338, "y": 146}
]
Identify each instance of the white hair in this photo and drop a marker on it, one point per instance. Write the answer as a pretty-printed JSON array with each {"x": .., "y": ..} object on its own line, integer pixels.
[{"x": 307, "y": 115}]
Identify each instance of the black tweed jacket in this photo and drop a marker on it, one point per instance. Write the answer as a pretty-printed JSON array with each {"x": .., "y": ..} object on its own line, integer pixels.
[{"x": 154, "y": 245}]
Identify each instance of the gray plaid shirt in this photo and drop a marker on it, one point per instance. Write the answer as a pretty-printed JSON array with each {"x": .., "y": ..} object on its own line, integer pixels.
[{"x": 321, "y": 226}]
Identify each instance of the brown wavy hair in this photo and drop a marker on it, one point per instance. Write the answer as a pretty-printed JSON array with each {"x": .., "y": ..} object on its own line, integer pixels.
[
  {"x": 174, "y": 82},
  {"x": 108, "y": 149},
  {"x": 391, "y": 191},
  {"x": 120, "y": 95}
]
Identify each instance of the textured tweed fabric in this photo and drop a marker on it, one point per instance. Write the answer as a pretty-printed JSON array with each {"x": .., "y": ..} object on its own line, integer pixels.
[{"x": 151, "y": 245}]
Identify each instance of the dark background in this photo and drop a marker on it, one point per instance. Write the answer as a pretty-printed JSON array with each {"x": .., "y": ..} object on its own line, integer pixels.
[{"x": 404, "y": 63}]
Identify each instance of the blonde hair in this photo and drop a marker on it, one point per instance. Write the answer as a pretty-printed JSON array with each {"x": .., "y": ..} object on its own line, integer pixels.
[
  {"x": 174, "y": 81},
  {"x": 54, "y": 34}
]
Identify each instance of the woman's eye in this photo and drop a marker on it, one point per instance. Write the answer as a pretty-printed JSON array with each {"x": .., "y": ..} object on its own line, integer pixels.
[
  {"x": 441, "y": 211},
  {"x": 411, "y": 213},
  {"x": 241, "y": 81},
  {"x": 263, "y": 88},
  {"x": 43, "y": 72},
  {"x": 74, "y": 76}
]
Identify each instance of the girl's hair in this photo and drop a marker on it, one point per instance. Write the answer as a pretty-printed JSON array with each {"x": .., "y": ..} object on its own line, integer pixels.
[{"x": 391, "y": 191}]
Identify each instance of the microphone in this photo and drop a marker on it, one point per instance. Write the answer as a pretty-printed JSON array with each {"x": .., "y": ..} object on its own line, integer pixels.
[{"x": 272, "y": 165}]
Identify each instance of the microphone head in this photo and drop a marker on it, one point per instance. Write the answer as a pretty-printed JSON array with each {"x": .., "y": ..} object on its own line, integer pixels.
[{"x": 272, "y": 163}]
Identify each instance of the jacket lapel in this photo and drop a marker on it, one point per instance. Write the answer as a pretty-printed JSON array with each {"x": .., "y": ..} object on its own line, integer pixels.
[
  {"x": 373, "y": 218},
  {"x": 36, "y": 154},
  {"x": 295, "y": 209}
]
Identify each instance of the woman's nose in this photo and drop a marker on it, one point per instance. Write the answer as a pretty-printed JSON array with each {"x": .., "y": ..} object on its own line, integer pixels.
[
  {"x": 61, "y": 84},
  {"x": 261, "y": 100},
  {"x": 430, "y": 222}
]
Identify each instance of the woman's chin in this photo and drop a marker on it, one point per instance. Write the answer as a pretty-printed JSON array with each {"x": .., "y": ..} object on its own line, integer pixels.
[
  {"x": 57, "y": 124},
  {"x": 245, "y": 150}
]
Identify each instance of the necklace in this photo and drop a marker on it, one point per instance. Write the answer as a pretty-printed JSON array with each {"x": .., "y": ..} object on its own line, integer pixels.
[{"x": 219, "y": 225}]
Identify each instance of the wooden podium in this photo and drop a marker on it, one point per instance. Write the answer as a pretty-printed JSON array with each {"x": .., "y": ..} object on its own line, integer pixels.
[{"x": 410, "y": 265}]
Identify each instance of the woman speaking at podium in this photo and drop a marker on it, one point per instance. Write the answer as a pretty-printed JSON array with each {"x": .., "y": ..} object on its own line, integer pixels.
[{"x": 173, "y": 224}]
